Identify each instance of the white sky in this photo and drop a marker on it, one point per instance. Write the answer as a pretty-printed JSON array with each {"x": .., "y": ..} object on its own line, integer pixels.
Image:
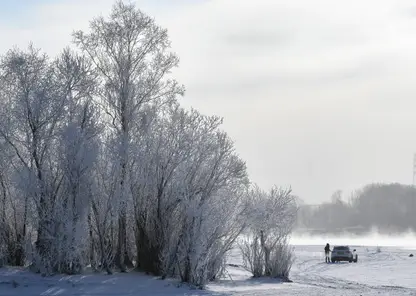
[{"x": 319, "y": 95}]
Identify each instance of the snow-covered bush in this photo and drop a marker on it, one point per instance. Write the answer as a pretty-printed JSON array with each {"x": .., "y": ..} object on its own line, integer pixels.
[
  {"x": 194, "y": 181},
  {"x": 281, "y": 260},
  {"x": 186, "y": 177},
  {"x": 253, "y": 255},
  {"x": 270, "y": 219},
  {"x": 207, "y": 235}
]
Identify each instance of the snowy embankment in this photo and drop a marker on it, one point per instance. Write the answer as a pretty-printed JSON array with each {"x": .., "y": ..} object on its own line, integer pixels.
[{"x": 379, "y": 271}]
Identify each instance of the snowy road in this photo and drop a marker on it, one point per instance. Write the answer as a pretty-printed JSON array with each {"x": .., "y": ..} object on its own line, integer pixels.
[
  {"x": 389, "y": 272},
  {"x": 391, "y": 268}
]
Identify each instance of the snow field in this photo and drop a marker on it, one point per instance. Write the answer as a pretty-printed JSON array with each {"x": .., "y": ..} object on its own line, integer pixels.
[{"x": 388, "y": 272}]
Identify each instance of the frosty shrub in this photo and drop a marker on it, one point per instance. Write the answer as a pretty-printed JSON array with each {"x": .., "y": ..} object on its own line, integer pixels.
[
  {"x": 281, "y": 260},
  {"x": 270, "y": 219},
  {"x": 194, "y": 182},
  {"x": 253, "y": 255}
]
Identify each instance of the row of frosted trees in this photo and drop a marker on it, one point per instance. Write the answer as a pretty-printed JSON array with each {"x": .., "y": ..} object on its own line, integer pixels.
[
  {"x": 387, "y": 208},
  {"x": 100, "y": 166}
]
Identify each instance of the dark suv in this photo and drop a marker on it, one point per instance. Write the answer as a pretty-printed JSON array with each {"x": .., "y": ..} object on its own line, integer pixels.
[{"x": 343, "y": 253}]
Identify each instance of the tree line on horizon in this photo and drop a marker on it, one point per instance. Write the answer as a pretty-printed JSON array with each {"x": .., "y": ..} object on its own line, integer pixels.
[{"x": 389, "y": 208}]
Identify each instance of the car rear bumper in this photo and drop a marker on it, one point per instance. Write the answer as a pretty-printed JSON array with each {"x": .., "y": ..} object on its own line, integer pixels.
[{"x": 341, "y": 258}]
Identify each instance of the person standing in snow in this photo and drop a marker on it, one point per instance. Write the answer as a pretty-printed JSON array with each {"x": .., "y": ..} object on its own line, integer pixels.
[{"x": 327, "y": 250}]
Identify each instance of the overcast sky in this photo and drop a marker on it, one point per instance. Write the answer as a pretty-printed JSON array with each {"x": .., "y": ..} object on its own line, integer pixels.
[{"x": 319, "y": 95}]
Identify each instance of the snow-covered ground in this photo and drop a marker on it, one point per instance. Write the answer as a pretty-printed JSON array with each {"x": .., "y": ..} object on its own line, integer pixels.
[{"x": 385, "y": 271}]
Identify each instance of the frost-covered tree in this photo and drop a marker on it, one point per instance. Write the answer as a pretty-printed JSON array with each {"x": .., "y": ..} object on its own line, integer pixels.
[
  {"x": 41, "y": 96},
  {"x": 213, "y": 186},
  {"x": 131, "y": 54},
  {"x": 78, "y": 148},
  {"x": 104, "y": 215},
  {"x": 187, "y": 196},
  {"x": 36, "y": 108}
]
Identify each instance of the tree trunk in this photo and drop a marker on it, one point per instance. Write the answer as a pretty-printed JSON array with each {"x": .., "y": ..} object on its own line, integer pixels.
[
  {"x": 148, "y": 253},
  {"x": 19, "y": 254},
  {"x": 266, "y": 251},
  {"x": 4, "y": 198},
  {"x": 121, "y": 247},
  {"x": 4, "y": 233},
  {"x": 92, "y": 242},
  {"x": 43, "y": 242},
  {"x": 122, "y": 255}
]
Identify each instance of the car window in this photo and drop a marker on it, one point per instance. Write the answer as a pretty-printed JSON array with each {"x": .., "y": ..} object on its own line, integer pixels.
[{"x": 341, "y": 248}]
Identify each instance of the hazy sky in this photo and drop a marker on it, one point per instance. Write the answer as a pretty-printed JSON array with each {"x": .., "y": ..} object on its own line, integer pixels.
[{"x": 319, "y": 95}]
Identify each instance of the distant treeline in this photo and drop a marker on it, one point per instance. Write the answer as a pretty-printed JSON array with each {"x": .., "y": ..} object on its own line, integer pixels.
[{"x": 390, "y": 208}]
